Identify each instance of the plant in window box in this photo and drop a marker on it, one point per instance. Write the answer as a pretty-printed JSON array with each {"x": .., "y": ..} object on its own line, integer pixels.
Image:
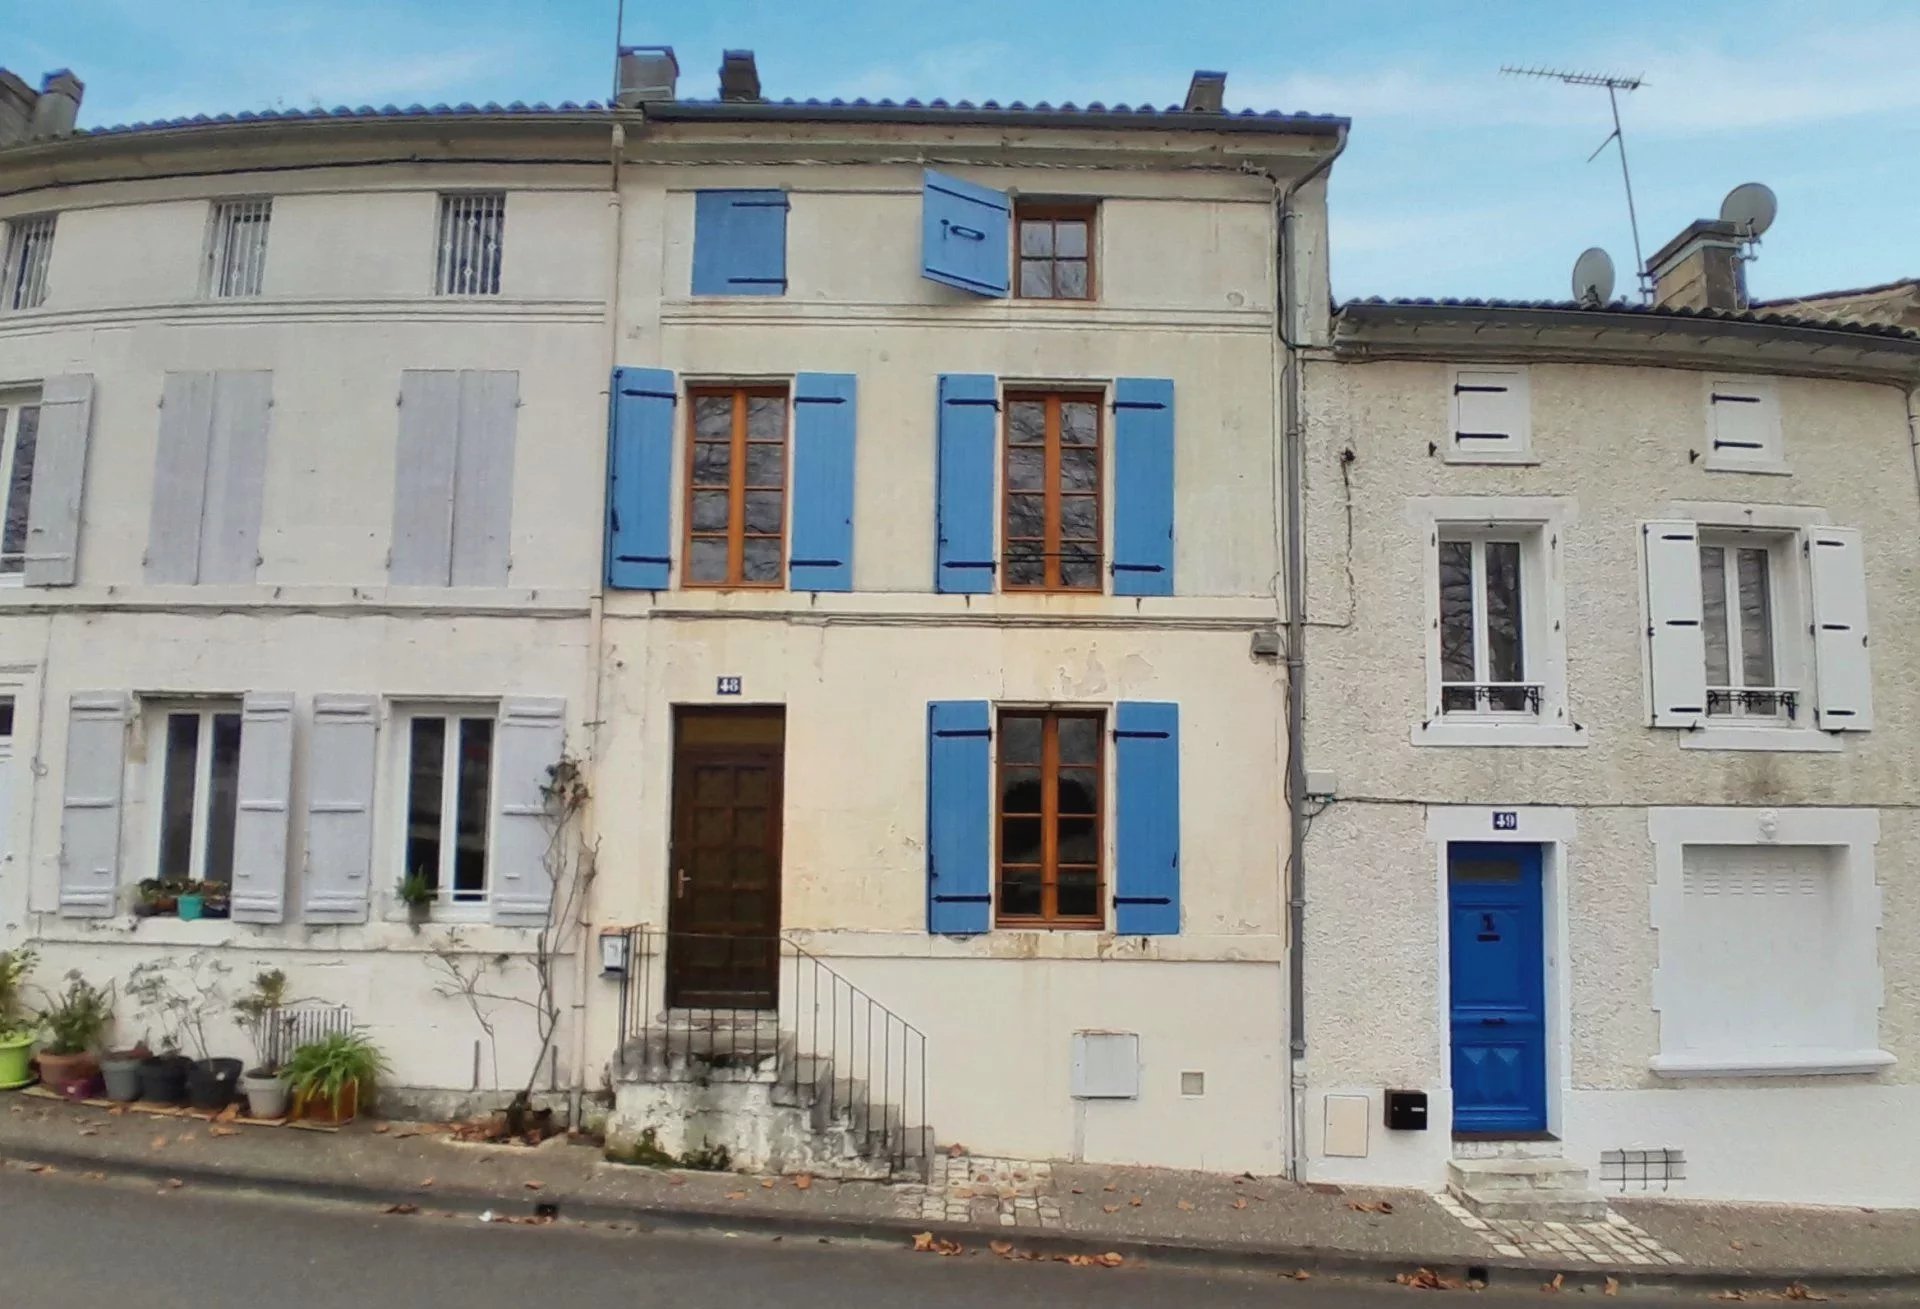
[
  {"x": 263, "y": 1010},
  {"x": 416, "y": 893},
  {"x": 75, "y": 1021},
  {"x": 159, "y": 897},
  {"x": 331, "y": 1076},
  {"x": 216, "y": 900},
  {"x": 17, "y": 1027}
]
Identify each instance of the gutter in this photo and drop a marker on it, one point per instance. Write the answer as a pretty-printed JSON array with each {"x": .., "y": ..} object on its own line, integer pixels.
[
  {"x": 1293, "y": 508},
  {"x": 1152, "y": 120}
]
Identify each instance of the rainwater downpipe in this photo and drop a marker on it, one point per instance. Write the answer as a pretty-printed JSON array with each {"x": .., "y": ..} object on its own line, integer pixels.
[
  {"x": 1293, "y": 509},
  {"x": 1913, "y": 429}
]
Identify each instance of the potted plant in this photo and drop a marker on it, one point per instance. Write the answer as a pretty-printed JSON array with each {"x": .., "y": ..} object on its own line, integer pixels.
[
  {"x": 263, "y": 1009},
  {"x": 182, "y": 1008},
  {"x": 191, "y": 903},
  {"x": 416, "y": 893},
  {"x": 329, "y": 1077},
  {"x": 158, "y": 897},
  {"x": 75, "y": 1021},
  {"x": 120, "y": 1070},
  {"x": 216, "y": 900},
  {"x": 17, "y": 1029}
]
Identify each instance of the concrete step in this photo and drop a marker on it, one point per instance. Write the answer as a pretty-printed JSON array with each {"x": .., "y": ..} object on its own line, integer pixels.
[
  {"x": 1518, "y": 1174},
  {"x": 1506, "y": 1148},
  {"x": 1533, "y": 1188},
  {"x": 1536, "y": 1206}
]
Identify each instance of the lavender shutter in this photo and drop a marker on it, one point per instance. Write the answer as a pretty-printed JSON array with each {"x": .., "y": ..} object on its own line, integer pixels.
[
  {"x": 59, "y": 478},
  {"x": 260, "y": 819},
  {"x": 90, "y": 803},
  {"x": 527, "y": 743},
  {"x": 340, "y": 775}
]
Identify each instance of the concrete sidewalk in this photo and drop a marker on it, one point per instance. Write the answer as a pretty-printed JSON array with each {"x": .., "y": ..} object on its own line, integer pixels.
[{"x": 1145, "y": 1214}]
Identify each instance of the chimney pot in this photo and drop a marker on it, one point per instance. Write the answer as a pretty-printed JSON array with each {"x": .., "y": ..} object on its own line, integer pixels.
[
  {"x": 1206, "y": 93},
  {"x": 649, "y": 74},
  {"x": 1700, "y": 269},
  {"x": 58, "y": 108},
  {"x": 739, "y": 78}
]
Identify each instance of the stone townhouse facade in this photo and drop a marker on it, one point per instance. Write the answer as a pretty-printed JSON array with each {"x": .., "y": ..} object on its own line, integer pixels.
[{"x": 878, "y": 502}]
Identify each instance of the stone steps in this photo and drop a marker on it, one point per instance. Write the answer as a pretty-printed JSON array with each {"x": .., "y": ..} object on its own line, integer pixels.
[{"x": 1529, "y": 1186}]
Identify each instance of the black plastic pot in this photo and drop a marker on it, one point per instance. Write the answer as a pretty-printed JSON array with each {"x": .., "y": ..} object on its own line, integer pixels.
[
  {"x": 163, "y": 1079},
  {"x": 210, "y": 1083}
]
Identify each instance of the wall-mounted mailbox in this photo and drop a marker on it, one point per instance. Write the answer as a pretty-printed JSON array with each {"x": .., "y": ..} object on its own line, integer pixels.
[{"x": 1406, "y": 1111}]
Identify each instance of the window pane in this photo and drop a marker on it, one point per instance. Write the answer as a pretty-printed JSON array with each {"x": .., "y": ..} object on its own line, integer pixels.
[
  {"x": 1036, "y": 238},
  {"x": 1079, "y": 568},
  {"x": 1079, "y": 422},
  {"x": 1070, "y": 238},
  {"x": 1026, "y": 468},
  {"x": 1026, "y": 517},
  {"x": 764, "y": 510},
  {"x": 1019, "y": 790},
  {"x": 1026, "y": 422},
  {"x": 1036, "y": 277},
  {"x": 470, "y": 833},
  {"x": 1079, "y": 840},
  {"x": 19, "y": 487},
  {"x": 223, "y": 798},
  {"x": 710, "y": 511},
  {"x": 1020, "y": 840},
  {"x": 426, "y": 755},
  {"x": 1079, "y": 893},
  {"x": 1079, "y": 470},
  {"x": 1078, "y": 790},
  {"x": 1079, "y": 740},
  {"x": 1506, "y": 653},
  {"x": 1070, "y": 279},
  {"x": 1456, "y": 612},
  {"x": 1756, "y": 619},
  {"x": 1079, "y": 518},
  {"x": 766, "y": 417},
  {"x": 1020, "y": 892},
  {"x": 712, "y": 464},
  {"x": 767, "y": 464},
  {"x": 176, "y": 796},
  {"x": 707, "y": 559},
  {"x": 713, "y": 416},
  {"x": 1025, "y": 566},
  {"x": 1713, "y": 613},
  {"x": 762, "y": 560},
  {"x": 1019, "y": 739}
]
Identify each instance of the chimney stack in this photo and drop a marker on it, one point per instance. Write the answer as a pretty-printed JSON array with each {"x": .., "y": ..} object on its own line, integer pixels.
[
  {"x": 1701, "y": 268},
  {"x": 648, "y": 75},
  {"x": 58, "y": 108},
  {"x": 1206, "y": 93},
  {"x": 16, "y": 108},
  {"x": 739, "y": 79}
]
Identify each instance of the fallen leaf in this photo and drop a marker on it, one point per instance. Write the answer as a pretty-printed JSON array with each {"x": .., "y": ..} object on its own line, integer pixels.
[
  {"x": 42, "y": 1168},
  {"x": 118, "y": 1111},
  {"x": 89, "y": 1131},
  {"x": 401, "y": 1209},
  {"x": 381, "y": 1129},
  {"x": 232, "y": 1112},
  {"x": 1425, "y": 1279},
  {"x": 1078, "y": 1190},
  {"x": 1559, "y": 1280},
  {"x": 1735, "y": 1245},
  {"x": 1729, "y": 1295},
  {"x": 1612, "y": 1287},
  {"x": 1110, "y": 1208},
  {"x": 95, "y": 1177},
  {"x": 174, "y": 1184},
  {"x": 534, "y": 1186},
  {"x": 1301, "y": 1274},
  {"x": 1136, "y": 1202},
  {"x": 1239, "y": 1202},
  {"x": 1112, "y": 1259},
  {"x": 767, "y": 1185},
  {"x": 956, "y": 1150},
  {"x": 1111, "y": 1186},
  {"x": 1074, "y": 1260},
  {"x": 1371, "y": 1206},
  {"x": 736, "y": 1195},
  {"x": 217, "y": 1130},
  {"x": 923, "y": 1242},
  {"x": 1184, "y": 1205},
  {"x": 159, "y": 1142},
  {"x": 928, "y": 1243},
  {"x": 1800, "y": 1291},
  {"x": 1002, "y": 1248},
  {"x": 804, "y": 1182}
]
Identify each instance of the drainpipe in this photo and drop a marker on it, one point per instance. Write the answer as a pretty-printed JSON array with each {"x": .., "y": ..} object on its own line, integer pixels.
[
  {"x": 1293, "y": 509},
  {"x": 1913, "y": 428},
  {"x": 585, "y": 945}
]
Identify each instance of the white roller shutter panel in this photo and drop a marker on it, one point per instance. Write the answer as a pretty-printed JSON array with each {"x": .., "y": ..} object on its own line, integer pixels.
[
  {"x": 1843, "y": 676},
  {"x": 1676, "y": 647}
]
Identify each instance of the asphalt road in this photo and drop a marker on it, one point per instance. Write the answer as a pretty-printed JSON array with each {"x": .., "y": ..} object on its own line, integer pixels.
[{"x": 71, "y": 1241}]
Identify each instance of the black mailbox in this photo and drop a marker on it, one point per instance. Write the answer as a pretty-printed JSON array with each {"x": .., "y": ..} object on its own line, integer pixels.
[{"x": 1407, "y": 1111}]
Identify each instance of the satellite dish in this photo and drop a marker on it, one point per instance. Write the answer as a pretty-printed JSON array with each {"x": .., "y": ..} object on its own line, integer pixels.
[
  {"x": 1751, "y": 207},
  {"x": 1593, "y": 277}
]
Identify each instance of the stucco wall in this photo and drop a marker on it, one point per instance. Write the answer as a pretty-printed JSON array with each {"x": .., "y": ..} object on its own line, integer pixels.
[{"x": 1616, "y": 442}]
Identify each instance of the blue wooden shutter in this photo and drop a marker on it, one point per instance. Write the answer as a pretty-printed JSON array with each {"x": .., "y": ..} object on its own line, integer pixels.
[
  {"x": 1143, "y": 486},
  {"x": 1146, "y": 895},
  {"x": 965, "y": 234},
  {"x": 969, "y": 444},
  {"x": 740, "y": 243},
  {"x": 959, "y": 817},
  {"x": 640, "y": 479},
  {"x": 823, "y": 435}
]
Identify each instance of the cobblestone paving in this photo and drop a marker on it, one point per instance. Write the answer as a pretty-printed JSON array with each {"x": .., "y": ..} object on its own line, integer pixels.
[
  {"x": 971, "y": 1189},
  {"x": 1612, "y": 1240}
]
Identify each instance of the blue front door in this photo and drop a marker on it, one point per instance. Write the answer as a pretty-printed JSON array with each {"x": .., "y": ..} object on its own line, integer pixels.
[{"x": 1498, "y": 972}]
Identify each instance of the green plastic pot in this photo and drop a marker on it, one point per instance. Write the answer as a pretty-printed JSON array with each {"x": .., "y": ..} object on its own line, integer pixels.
[
  {"x": 191, "y": 906},
  {"x": 15, "y": 1053}
]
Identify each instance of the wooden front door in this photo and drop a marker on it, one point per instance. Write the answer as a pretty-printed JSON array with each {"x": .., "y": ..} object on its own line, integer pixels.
[{"x": 723, "y": 947}]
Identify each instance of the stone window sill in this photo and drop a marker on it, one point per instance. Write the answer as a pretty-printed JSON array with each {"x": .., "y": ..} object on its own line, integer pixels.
[
  {"x": 1795, "y": 1063},
  {"x": 1480, "y": 732},
  {"x": 1745, "y": 737}
]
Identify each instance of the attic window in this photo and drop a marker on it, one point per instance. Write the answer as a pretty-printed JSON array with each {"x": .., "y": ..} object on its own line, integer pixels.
[
  {"x": 1055, "y": 250},
  {"x": 1743, "y": 426},
  {"x": 1490, "y": 417}
]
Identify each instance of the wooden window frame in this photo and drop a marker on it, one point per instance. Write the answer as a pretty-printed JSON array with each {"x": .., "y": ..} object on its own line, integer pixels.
[
  {"x": 737, "y": 488},
  {"x": 1055, "y": 211},
  {"x": 446, "y": 900},
  {"x": 1049, "y": 816},
  {"x": 1051, "y": 544}
]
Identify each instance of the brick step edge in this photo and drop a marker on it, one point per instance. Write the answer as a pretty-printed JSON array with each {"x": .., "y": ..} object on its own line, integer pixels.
[{"x": 1332, "y": 1262}]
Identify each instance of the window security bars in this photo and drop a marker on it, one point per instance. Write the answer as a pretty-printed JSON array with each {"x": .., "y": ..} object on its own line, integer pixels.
[
  {"x": 237, "y": 247},
  {"x": 471, "y": 228},
  {"x": 29, "y": 249},
  {"x": 1490, "y": 697},
  {"x": 1642, "y": 1170},
  {"x": 1752, "y": 702}
]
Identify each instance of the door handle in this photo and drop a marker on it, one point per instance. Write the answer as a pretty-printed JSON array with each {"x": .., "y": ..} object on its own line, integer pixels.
[
  {"x": 1493, "y": 1022},
  {"x": 680, "y": 888}
]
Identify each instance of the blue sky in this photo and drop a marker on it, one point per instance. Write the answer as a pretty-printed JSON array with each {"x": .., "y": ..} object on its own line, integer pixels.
[{"x": 1458, "y": 181}]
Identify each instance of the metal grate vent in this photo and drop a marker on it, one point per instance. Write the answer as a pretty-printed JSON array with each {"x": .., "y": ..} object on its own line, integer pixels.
[
  {"x": 29, "y": 248},
  {"x": 1642, "y": 1170},
  {"x": 471, "y": 227},
  {"x": 237, "y": 247}
]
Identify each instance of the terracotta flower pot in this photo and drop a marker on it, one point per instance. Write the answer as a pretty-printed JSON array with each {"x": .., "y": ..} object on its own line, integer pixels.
[
  {"x": 60, "y": 1071},
  {"x": 318, "y": 1109}
]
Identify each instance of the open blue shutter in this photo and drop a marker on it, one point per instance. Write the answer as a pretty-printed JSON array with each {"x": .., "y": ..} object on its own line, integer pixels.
[
  {"x": 1146, "y": 894},
  {"x": 740, "y": 243},
  {"x": 823, "y": 432},
  {"x": 969, "y": 441},
  {"x": 640, "y": 479},
  {"x": 1143, "y": 486},
  {"x": 959, "y": 896},
  {"x": 965, "y": 234}
]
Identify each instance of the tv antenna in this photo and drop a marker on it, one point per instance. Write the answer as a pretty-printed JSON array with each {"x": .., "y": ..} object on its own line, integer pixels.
[{"x": 1614, "y": 86}]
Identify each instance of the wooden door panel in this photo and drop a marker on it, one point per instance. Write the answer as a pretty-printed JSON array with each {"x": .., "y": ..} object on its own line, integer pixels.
[{"x": 724, "y": 916}]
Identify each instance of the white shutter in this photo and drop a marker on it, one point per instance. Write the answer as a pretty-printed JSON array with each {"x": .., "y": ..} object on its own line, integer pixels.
[
  {"x": 180, "y": 478},
  {"x": 1491, "y": 413},
  {"x": 423, "y": 478},
  {"x": 90, "y": 803},
  {"x": 59, "y": 476},
  {"x": 1743, "y": 421},
  {"x": 1843, "y": 677},
  {"x": 1676, "y": 647},
  {"x": 260, "y": 820},
  {"x": 526, "y": 745},
  {"x": 340, "y": 772},
  {"x": 236, "y": 477},
  {"x": 483, "y": 478}
]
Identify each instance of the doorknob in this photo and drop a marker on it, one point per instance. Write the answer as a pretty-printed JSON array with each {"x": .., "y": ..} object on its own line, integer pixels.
[{"x": 680, "y": 884}]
